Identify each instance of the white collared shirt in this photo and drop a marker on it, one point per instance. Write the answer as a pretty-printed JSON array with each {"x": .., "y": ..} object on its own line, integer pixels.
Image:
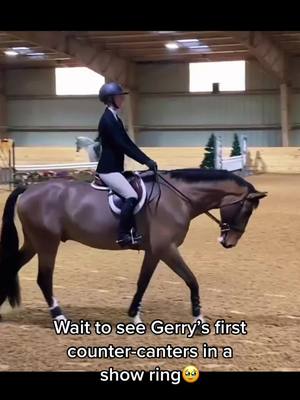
[{"x": 113, "y": 111}]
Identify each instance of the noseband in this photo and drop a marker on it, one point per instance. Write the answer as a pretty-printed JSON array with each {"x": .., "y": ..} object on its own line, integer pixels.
[{"x": 224, "y": 226}]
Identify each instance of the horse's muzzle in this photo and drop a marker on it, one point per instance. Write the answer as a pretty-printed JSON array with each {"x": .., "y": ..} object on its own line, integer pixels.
[
  {"x": 227, "y": 246},
  {"x": 222, "y": 241}
]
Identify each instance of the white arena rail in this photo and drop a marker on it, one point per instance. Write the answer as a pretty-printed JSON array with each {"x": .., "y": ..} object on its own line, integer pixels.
[
  {"x": 234, "y": 163},
  {"x": 55, "y": 167}
]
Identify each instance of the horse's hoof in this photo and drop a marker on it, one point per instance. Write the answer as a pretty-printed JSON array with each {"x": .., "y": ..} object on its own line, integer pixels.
[{"x": 198, "y": 332}]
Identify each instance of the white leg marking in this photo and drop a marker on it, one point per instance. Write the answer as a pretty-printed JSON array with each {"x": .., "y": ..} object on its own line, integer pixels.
[
  {"x": 199, "y": 318},
  {"x": 54, "y": 303},
  {"x": 137, "y": 319},
  {"x": 60, "y": 318}
]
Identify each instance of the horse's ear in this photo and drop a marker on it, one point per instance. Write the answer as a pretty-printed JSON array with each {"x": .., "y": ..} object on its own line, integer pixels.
[{"x": 256, "y": 195}]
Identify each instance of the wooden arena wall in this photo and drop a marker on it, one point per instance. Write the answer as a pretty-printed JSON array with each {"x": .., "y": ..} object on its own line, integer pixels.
[{"x": 260, "y": 159}]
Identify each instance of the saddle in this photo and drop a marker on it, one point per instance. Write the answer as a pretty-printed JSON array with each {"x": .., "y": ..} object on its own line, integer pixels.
[{"x": 115, "y": 200}]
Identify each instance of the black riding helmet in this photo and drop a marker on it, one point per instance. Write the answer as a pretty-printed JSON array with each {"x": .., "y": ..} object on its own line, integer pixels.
[{"x": 108, "y": 90}]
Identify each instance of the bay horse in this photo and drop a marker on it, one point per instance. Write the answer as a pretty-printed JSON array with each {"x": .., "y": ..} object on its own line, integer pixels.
[{"x": 61, "y": 210}]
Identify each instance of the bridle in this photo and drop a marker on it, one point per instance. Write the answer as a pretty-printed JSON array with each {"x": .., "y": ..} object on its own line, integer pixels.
[{"x": 224, "y": 226}]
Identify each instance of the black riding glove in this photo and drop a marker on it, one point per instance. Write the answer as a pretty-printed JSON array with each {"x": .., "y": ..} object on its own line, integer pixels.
[{"x": 151, "y": 164}]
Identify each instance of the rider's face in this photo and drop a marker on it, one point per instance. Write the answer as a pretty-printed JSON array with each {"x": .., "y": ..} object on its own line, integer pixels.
[{"x": 119, "y": 100}]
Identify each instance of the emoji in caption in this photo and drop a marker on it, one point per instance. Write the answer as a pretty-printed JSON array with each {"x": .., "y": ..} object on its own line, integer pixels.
[{"x": 190, "y": 374}]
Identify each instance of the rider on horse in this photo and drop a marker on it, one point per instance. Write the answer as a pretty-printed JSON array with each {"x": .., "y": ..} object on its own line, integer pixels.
[{"x": 115, "y": 144}]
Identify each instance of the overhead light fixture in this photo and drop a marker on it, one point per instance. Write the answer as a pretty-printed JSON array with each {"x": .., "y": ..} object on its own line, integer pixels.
[
  {"x": 21, "y": 50},
  {"x": 165, "y": 32},
  {"x": 172, "y": 46},
  {"x": 187, "y": 40},
  {"x": 200, "y": 46},
  {"x": 11, "y": 53},
  {"x": 36, "y": 54},
  {"x": 192, "y": 44}
]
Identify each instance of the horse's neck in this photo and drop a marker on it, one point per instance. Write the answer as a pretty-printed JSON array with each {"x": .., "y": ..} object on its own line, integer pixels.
[
  {"x": 207, "y": 195},
  {"x": 91, "y": 153}
]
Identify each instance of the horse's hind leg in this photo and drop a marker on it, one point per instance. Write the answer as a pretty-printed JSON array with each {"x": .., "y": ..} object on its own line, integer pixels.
[
  {"x": 174, "y": 260},
  {"x": 26, "y": 253},
  {"x": 46, "y": 263}
]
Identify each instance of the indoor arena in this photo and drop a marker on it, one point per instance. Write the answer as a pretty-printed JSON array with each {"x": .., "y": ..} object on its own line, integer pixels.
[{"x": 210, "y": 101}]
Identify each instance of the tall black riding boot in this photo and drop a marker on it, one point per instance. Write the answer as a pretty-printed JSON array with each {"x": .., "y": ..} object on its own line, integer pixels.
[{"x": 126, "y": 235}]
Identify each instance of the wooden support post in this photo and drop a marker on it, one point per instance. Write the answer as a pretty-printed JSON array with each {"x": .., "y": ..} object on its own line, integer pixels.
[
  {"x": 3, "y": 107},
  {"x": 132, "y": 114},
  {"x": 284, "y": 108}
]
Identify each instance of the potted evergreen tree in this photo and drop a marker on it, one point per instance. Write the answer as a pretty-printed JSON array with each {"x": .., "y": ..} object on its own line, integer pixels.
[
  {"x": 209, "y": 156},
  {"x": 236, "y": 148}
]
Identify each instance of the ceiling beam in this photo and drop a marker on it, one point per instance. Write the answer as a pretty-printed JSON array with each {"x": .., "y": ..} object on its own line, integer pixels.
[
  {"x": 101, "y": 61},
  {"x": 193, "y": 57},
  {"x": 224, "y": 41},
  {"x": 285, "y": 33},
  {"x": 271, "y": 56},
  {"x": 143, "y": 36},
  {"x": 181, "y": 51}
]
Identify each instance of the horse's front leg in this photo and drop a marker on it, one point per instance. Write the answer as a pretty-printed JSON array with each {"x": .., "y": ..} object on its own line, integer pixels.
[
  {"x": 173, "y": 259},
  {"x": 148, "y": 267}
]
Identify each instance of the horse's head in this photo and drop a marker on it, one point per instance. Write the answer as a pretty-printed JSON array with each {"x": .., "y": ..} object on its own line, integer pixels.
[
  {"x": 83, "y": 142},
  {"x": 235, "y": 217}
]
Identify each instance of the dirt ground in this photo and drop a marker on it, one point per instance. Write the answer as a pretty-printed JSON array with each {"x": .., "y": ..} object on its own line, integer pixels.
[{"x": 258, "y": 281}]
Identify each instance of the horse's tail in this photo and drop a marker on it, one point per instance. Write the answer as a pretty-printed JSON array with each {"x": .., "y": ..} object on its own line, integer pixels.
[{"x": 9, "y": 252}]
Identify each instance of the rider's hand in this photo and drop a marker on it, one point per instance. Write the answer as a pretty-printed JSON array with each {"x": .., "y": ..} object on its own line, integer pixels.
[{"x": 151, "y": 164}]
